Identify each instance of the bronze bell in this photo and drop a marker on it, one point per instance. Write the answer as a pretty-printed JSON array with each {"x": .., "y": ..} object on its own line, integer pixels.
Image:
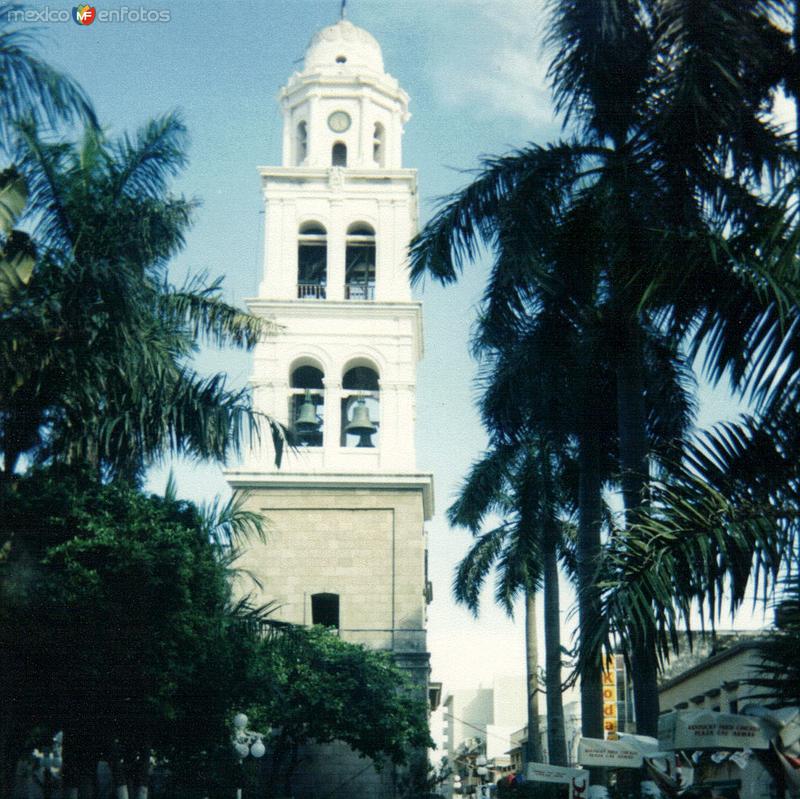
[
  {"x": 307, "y": 422},
  {"x": 361, "y": 425}
]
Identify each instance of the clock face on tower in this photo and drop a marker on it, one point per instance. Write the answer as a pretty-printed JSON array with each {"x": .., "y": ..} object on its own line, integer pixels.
[{"x": 339, "y": 121}]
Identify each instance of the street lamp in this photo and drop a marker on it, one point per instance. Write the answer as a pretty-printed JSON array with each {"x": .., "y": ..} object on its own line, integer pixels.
[
  {"x": 482, "y": 771},
  {"x": 246, "y": 742},
  {"x": 47, "y": 765}
]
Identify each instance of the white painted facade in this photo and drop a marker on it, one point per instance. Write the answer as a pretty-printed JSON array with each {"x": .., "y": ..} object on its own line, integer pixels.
[
  {"x": 333, "y": 324},
  {"x": 345, "y": 543}
]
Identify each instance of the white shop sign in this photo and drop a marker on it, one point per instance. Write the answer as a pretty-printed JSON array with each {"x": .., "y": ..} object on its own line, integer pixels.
[
  {"x": 576, "y": 778},
  {"x": 612, "y": 754},
  {"x": 708, "y": 729},
  {"x": 542, "y": 772}
]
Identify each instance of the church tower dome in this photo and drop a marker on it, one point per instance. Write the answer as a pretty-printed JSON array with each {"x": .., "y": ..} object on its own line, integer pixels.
[
  {"x": 343, "y": 46},
  {"x": 342, "y": 108}
]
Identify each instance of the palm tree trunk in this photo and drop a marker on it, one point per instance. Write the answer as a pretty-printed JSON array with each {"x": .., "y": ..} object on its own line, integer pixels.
[
  {"x": 588, "y": 556},
  {"x": 556, "y": 734},
  {"x": 633, "y": 448},
  {"x": 534, "y": 746}
]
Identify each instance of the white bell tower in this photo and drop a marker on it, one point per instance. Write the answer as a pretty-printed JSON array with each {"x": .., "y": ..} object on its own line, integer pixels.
[{"x": 345, "y": 511}]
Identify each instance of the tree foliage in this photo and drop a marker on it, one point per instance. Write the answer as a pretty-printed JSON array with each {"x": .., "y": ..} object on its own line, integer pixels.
[
  {"x": 653, "y": 224},
  {"x": 96, "y": 349},
  {"x": 779, "y": 679},
  {"x": 312, "y": 687},
  {"x": 31, "y": 89},
  {"x": 117, "y": 625}
]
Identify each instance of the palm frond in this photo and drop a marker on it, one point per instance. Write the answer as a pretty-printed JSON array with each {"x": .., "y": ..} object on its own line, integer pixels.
[
  {"x": 468, "y": 218},
  {"x": 484, "y": 490},
  {"x": 198, "y": 307},
  {"x": 143, "y": 166},
  {"x": 30, "y": 88},
  {"x": 474, "y": 567},
  {"x": 231, "y": 521}
]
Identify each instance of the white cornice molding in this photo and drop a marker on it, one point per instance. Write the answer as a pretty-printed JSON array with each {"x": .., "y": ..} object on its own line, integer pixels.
[
  {"x": 242, "y": 480},
  {"x": 307, "y": 173},
  {"x": 287, "y": 309},
  {"x": 385, "y": 84}
]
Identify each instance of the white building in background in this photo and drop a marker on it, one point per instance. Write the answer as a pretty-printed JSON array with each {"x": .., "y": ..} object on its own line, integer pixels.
[
  {"x": 345, "y": 512},
  {"x": 491, "y": 714}
]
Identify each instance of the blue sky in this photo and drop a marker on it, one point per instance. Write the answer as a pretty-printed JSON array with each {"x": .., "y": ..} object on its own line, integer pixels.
[{"x": 475, "y": 71}]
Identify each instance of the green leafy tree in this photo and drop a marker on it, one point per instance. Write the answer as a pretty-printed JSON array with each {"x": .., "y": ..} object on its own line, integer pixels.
[
  {"x": 312, "y": 687},
  {"x": 117, "y": 624}
]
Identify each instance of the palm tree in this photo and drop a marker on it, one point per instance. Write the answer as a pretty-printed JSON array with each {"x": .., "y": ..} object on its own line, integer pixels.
[
  {"x": 30, "y": 89},
  {"x": 671, "y": 151},
  {"x": 539, "y": 346},
  {"x": 727, "y": 518},
  {"x": 543, "y": 287},
  {"x": 96, "y": 353},
  {"x": 518, "y": 485},
  {"x": 654, "y": 180}
]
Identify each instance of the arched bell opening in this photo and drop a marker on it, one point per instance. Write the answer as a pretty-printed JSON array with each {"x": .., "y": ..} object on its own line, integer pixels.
[
  {"x": 359, "y": 262},
  {"x": 312, "y": 261},
  {"x": 360, "y": 408},
  {"x": 307, "y": 405}
]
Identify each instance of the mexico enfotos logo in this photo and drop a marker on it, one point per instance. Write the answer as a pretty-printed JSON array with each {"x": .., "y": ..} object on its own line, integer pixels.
[{"x": 85, "y": 14}]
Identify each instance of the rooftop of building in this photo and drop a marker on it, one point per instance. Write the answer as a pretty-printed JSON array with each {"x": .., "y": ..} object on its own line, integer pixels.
[{"x": 706, "y": 652}]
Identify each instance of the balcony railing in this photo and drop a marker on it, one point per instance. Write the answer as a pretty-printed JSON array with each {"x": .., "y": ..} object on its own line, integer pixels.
[
  {"x": 359, "y": 291},
  {"x": 310, "y": 291}
]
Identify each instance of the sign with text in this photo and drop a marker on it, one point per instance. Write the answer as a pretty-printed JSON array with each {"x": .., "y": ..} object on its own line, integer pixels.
[
  {"x": 542, "y": 772},
  {"x": 576, "y": 778},
  {"x": 612, "y": 754},
  {"x": 610, "y": 720},
  {"x": 708, "y": 729}
]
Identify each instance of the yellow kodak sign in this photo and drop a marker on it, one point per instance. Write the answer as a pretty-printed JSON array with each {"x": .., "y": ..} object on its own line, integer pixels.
[{"x": 610, "y": 698}]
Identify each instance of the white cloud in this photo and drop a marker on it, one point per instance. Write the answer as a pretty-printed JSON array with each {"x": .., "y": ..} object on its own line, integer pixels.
[{"x": 500, "y": 66}]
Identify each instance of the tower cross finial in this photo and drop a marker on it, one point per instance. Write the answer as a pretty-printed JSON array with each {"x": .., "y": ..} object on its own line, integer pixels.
[{"x": 343, "y": 10}]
